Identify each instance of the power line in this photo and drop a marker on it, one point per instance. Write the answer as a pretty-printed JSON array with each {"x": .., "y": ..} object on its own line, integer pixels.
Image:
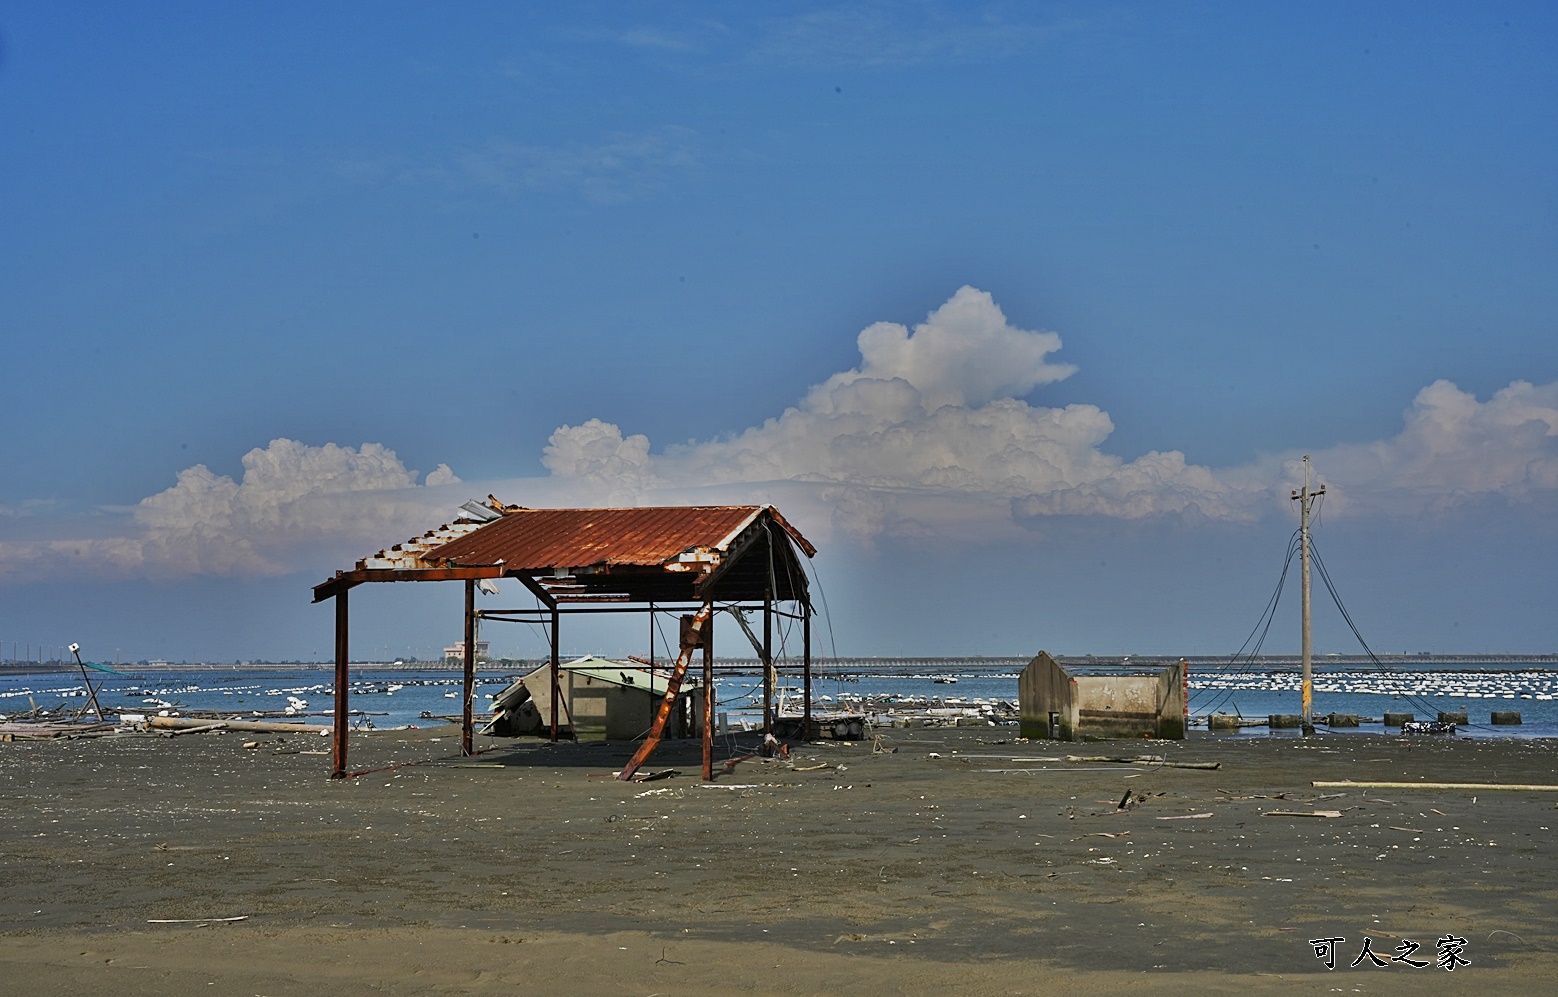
[
  {"x": 1325, "y": 576},
  {"x": 1262, "y": 629}
]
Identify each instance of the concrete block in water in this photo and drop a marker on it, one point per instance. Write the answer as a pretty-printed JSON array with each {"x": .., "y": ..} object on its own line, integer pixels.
[
  {"x": 1505, "y": 718},
  {"x": 1459, "y": 719},
  {"x": 1222, "y": 721},
  {"x": 1292, "y": 720},
  {"x": 1397, "y": 719},
  {"x": 1342, "y": 720}
]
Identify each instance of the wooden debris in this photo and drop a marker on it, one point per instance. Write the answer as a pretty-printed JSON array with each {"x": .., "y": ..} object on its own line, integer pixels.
[
  {"x": 45, "y": 730},
  {"x": 260, "y": 726},
  {"x": 1156, "y": 760},
  {"x": 655, "y": 776},
  {"x": 202, "y": 729},
  {"x": 1186, "y": 817},
  {"x": 1523, "y": 787},
  {"x": 1302, "y": 813}
]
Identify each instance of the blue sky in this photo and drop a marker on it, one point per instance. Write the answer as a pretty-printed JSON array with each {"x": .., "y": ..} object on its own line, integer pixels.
[{"x": 1022, "y": 312}]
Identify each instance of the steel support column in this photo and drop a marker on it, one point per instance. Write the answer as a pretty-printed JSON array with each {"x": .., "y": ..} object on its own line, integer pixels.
[
  {"x": 466, "y": 737},
  {"x": 556, "y": 668},
  {"x": 768, "y": 663},
  {"x": 341, "y": 685},
  {"x": 806, "y": 672},
  {"x": 708, "y": 694}
]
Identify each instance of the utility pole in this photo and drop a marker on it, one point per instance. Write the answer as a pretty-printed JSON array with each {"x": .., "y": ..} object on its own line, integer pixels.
[{"x": 1305, "y": 500}]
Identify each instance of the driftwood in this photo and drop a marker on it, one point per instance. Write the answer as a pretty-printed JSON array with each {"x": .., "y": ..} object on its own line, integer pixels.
[
  {"x": 264, "y": 726},
  {"x": 1156, "y": 760},
  {"x": 1530, "y": 788},
  {"x": 46, "y": 730},
  {"x": 203, "y": 728}
]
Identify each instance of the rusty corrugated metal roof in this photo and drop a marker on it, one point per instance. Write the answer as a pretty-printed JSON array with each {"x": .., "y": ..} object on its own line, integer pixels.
[
  {"x": 410, "y": 555},
  {"x": 601, "y": 555},
  {"x": 549, "y": 539}
]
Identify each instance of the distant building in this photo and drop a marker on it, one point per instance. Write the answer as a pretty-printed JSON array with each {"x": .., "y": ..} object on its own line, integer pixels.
[
  {"x": 454, "y": 654},
  {"x": 600, "y": 699}
]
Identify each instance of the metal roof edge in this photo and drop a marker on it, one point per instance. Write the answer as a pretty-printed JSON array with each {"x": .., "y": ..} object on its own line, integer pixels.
[{"x": 806, "y": 545}]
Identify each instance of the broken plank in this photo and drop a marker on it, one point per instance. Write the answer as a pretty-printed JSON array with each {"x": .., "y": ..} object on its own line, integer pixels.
[{"x": 1522, "y": 787}]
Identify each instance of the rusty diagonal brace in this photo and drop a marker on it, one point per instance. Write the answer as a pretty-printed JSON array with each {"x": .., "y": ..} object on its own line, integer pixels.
[{"x": 673, "y": 687}]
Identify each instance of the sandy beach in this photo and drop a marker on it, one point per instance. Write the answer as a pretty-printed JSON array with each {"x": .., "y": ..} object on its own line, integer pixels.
[{"x": 959, "y": 861}]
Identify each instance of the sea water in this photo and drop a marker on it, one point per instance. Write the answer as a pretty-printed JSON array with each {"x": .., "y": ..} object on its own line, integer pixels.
[
  {"x": 396, "y": 696},
  {"x": 1251, "y": 692},
  {"x": 384, "y": 696}
]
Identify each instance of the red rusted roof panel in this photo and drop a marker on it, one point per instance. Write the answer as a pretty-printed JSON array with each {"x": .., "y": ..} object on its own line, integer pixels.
[{"x": 541, "y": 539}]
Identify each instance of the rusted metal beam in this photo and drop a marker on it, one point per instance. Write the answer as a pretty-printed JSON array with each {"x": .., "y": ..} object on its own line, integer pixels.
[
  {"x": 541, "y": 614},
  {"x": 357, "y": 576},
  {"x": 565, "y": 608},
  {"x": 342, "y": 685},
  {"x": 535, "y": 588},
  {"x": 673, "y": 688},
  {"x": 467, "y": 747},
  {"x": 327, "y": 590}
]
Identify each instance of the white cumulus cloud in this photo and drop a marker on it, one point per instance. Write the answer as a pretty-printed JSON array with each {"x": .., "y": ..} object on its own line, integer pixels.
[
  {"x": 931, "y": 436},
  {"x": 964, "y": 353},
  {"x": 930, "y": 432},
  {"x": 291, "y": 497},
  {"x": 597, "y": 459},
  {"x": 1454, "y": 450}
]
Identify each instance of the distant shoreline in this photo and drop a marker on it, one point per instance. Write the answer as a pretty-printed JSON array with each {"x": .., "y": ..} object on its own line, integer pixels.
[{"x": 885, "y": 665}]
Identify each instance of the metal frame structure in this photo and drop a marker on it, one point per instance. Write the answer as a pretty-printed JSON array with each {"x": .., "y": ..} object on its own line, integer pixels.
[{"x": 578, "y": 561}]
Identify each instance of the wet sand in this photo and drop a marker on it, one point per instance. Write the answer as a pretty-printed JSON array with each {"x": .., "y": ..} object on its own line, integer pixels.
[{"x": 945, "y": 864}]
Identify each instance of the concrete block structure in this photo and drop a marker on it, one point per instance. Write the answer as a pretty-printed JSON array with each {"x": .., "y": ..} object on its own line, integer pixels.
[{"x": 1078, "y": 701}]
